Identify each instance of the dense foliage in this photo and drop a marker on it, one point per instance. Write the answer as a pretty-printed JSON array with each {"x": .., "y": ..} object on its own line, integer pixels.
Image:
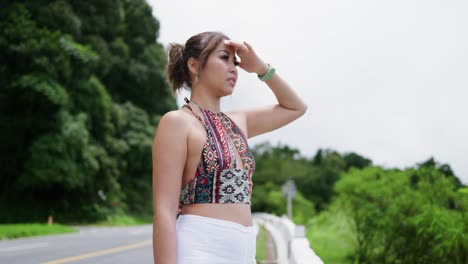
[
  {"x": 314, "y": 178},
  {"x": 82, "y": 88},
  {"x": 418, "y": 215},
  {"x": 375, "y": 215}
]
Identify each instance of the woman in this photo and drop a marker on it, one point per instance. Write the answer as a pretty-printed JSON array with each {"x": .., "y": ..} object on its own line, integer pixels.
[{"x": 202, "y": 164}]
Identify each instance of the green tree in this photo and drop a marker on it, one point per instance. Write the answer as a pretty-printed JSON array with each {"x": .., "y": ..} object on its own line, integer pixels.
[
  {"x": 315, "y": 177},
  {"x": 324, "y": 170},
  {"x": 355, "y": 160},
  {"x": 443, "y": 168},
  {"x": 82, "y": 87},
  {"x": 275, "y": 165},
  {"x": 400, "y": 220}
]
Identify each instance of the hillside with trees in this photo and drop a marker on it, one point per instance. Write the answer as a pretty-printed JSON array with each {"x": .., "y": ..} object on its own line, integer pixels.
[{"x": 82, "y": 88}]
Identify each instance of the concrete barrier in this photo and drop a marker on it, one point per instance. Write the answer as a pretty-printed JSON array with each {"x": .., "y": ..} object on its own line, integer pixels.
[{"x": 292, "y": 245}]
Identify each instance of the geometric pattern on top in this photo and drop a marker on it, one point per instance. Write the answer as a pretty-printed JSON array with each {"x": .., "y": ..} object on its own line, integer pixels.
[
  {"x": 234, "y": 186},
  {"x": 217, "y": 178}
]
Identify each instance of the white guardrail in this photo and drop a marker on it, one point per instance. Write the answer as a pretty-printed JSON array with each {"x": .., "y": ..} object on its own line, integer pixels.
[{"x": 292, "y": 245}]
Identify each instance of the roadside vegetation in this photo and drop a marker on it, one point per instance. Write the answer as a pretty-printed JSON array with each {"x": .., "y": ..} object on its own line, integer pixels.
[{"x": 10, "y": 231}]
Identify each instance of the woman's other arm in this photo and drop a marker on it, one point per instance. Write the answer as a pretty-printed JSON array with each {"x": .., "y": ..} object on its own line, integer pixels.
[
  {"x": 264, "y": 119},
  {"x": 169, "y": 156}
]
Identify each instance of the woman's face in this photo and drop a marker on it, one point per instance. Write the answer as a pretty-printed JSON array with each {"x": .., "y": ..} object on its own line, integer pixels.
[{"x": 220, "y": 72}]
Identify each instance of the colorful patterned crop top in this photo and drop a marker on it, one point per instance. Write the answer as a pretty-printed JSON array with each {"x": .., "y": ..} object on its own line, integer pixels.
[{"x": 217, "y": 178}]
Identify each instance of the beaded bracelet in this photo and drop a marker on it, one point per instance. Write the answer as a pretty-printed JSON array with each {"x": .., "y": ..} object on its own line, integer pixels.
[{"x": 268, "y": 74}]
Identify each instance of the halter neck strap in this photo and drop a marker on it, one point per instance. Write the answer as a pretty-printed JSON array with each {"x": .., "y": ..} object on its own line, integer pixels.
[{"x": 195, "y": 114}]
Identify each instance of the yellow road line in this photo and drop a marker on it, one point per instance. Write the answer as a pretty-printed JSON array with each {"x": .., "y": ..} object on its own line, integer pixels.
[{"x": 99, "y": 253}]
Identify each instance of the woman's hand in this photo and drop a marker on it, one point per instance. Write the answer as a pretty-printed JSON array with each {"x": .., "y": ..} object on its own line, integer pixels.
[{"x": 250, "y": 62}]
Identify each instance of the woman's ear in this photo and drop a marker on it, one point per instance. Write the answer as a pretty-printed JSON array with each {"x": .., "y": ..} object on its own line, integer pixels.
[{"x": 192, "y": 65}]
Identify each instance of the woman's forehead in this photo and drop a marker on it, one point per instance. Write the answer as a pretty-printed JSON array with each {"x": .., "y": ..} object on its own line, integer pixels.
[{"x": 224, "y": 47}]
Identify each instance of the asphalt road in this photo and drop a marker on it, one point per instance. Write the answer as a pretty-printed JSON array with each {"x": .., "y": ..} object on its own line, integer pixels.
[{"x": 97, "y": 245}]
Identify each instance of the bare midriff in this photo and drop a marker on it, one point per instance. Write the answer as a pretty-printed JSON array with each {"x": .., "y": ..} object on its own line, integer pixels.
[{"x": 239, "y": 213}]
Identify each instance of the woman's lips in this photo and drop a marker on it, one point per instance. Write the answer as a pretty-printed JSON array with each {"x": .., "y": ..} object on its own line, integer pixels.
[{"x": 232, "y": 81}]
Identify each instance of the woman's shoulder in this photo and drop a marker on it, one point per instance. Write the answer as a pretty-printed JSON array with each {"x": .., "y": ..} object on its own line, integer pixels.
[
  {"x": 177, "y": 120},
  {"x": 178, "y": 115}
]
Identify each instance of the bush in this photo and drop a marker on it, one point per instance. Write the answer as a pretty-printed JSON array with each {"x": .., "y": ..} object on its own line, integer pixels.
[{"x": 412, "y": 216}]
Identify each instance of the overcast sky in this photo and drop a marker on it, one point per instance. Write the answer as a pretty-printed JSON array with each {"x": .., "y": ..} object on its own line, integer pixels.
[{"x": 385, "y": 79}]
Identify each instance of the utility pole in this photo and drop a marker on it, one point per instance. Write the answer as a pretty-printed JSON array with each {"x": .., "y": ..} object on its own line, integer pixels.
[{"x": 289, "y": 191}]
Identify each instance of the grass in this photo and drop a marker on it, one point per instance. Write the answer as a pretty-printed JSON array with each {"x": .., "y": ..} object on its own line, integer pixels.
[
  {"x": 11, "y": 231},
  {"x": 28, "y": 230},
  {"x": 261, "y": 244},
  {"x": 331, "y": 237},
  {"x": 124, "y": 220}
]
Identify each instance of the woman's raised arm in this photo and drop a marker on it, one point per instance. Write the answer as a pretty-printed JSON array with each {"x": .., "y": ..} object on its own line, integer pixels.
[{"x": 265, "y": 119}]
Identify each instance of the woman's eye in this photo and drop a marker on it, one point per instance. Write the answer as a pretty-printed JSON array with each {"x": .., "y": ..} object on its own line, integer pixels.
[{"x": 226, "y": 57}]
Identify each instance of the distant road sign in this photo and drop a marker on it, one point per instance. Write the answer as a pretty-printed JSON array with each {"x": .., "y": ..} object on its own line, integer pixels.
[{"x": 289, "y": 189}]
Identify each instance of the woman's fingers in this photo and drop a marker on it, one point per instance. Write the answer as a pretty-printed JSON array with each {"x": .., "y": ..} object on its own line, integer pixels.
[
  {"x": 247, "y": 45},
  {"x": 239, "y": 47},
  {"x": 249, "y": 61}
]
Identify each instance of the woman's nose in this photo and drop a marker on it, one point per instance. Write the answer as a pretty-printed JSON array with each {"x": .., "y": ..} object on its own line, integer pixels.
[{"x": 233, "y": 67}]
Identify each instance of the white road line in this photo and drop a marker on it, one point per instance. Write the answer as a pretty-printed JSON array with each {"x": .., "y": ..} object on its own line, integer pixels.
[{"x": 23, "y": 247}]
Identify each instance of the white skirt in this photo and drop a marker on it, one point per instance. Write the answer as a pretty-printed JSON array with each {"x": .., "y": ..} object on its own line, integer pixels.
[{"x": 207, "y": 240}]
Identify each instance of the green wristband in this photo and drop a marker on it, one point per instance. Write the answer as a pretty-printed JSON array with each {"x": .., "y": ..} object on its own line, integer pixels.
[{"x": 268, "y": 74}]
